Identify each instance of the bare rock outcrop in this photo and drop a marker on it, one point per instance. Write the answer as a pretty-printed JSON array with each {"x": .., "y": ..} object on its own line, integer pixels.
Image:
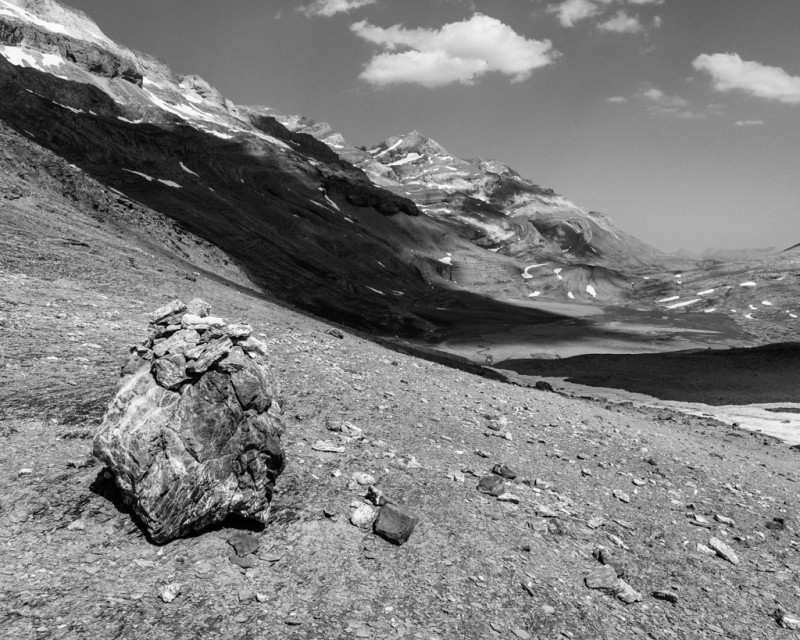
[{"x": 193, "y": 434}]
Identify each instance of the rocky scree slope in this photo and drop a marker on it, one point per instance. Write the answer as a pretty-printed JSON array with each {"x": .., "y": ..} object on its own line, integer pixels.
[{"x": 304, "y": 224}]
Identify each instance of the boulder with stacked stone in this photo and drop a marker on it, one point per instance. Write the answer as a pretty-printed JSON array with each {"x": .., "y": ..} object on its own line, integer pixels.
[{"x": 193, "y": 434}]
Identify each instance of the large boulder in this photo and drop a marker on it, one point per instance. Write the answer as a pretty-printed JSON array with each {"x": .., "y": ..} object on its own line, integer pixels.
[{"x": 193, "y": 434}]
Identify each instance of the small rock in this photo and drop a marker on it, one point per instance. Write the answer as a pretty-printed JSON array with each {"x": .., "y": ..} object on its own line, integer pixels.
[
  {"x": 25, "y": 472},
  {"x": 212, "y": 352},
  {"x": 541, "y": 385},
  {"x": 586, "y": 472},
  {"x": 521, "y": 633},
  {"x": 77, "y": 525},
  {"x": 335, "y": 333},
  {"x": 255, "y": 346},
  {"x": 604, "y": 557},
  {"x": 482, "y": 454},
  {"x": 262, "y": 597},
  {"x": 504, "y": 471},
  {"x": 363, "y": 516},
  {"x": 638, "y": 482},
  {"x": 170, "y": 371},
  {"x": 327, "y": 447},
  {"x": 169, "y": 592},
  {"x": 245, "y": 595},
  {"x": 626, "y": 593},
  {"x": 543, "y": 511},
  {"x": 247, "y": 562},
  {"x": 548, "y": 610},
  {"x": 699, "y": 521},
  {"x": 723, "y": 550},
  {"x": 776, "y": 524},
  {"x": 394, "y": 524},
  {"x": 376, "y": 497},
  {"x": 244, "y": 543},
  {"x": 364, "y": 479},
  {"x": 621, "y": 496},
  {"x": 668, "y": 596},
  {"x": 792, "y": 623},
  {"x": 604, "y": 577},
  {"x": 508, "y": 497},
  {"x": 725, "y": 520},
  {"x": 491, "y": 485},
  {"x": 706, "y": 550},
  {"x": 595, "y": 523}
]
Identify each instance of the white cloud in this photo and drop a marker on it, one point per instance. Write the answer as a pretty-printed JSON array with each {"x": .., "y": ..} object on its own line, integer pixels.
[
  {"x": 730, "y": 73},
  {"x": 328, "y": 8},
  {"x": 617, "y": 100},
  {"x": 622, "y": 23},
  {"x": 459, "y": 52},
  {"x": 661, "y": 104},
  {"x": 750, "y": 123},
  {"x": 571, "y": 11}
]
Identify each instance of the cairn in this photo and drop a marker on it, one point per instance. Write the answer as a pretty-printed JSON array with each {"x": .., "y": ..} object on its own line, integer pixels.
[{"x": 193, "y": 434}]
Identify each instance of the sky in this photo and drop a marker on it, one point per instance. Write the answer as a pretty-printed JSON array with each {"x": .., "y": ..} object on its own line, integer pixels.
[{"x": 678, "y": 118}]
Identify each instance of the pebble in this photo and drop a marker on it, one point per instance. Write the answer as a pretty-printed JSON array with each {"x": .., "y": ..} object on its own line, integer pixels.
[
  {"x": 668, "y": 596},
  {"x": 326, "y": 447},
  {"x": 543, "y": 511},
  {"x": 491, "y": 485},
  {"x": 621, "y": 496},
  {"x": 626, "y": 593},
  {"x": 364, "y": 479},
  {"x": 595, "y": 523},
  {"x": 169, "y": 592},
  {"x": 521, "y": 633},
  {"x": 723, "y": 550},
  {"x": 363, "y": 516},
  {"x": 508, "y": 497},
  {"x": 725, "y": 520},
  {"x": 504, "y": 471},
  {"x": 791, "y": 623},
  {"x": 604, "y": 577},
  {"x": 244, "y": 543}
]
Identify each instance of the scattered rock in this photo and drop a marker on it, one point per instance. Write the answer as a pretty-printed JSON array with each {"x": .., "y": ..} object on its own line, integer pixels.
[
  {"x": 364, "y": 479},
  {"x": 169, "y": 592},
  {"x": 604, "y": 577},
  {"x": 699, "y": 521},
  {"x": 668, "y": 596},
  {"x": 335, "y": 333},
  {"x": 508, "y": 497},
  {"x": 503, "y": 471},
  {"x": 327, "y": 447},
  {"x": 621, "y": 496},
  {"x": 491, "y": 485},
  {"x": 521, "y": 633},
  {"x": 363, "y": 516},
  {"x": 723, "y": 550},
  {"x": 376, "y": 497},
  {"x": 543, "y": 511},
  {"x": 626, "y": 593},
  {"x": 394, "y": 524},
  {"x": 604, "y": 557},
  {"x": 245, "y": 562},
  {"x": 169, "y": 309},
  {"x": 776, "y": 524},
  {"x": 595, "y": 523},
  {"x": 244, "y": 543},
  {"x": 792, "y": 623},
  {"x": 541, "y": 385}
]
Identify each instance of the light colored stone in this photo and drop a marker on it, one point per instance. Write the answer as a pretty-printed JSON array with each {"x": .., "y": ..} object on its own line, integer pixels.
[
  {"x": 723, "y": 550},
  {"x": 363, "y": 516},
  {"x": 621, "y": 496},
  {"x": 169, "y": 309},
  {"x": 327, "y": 447},
  {"x": 364, "y": 479},
  {"x": 169, "y": 592},
  {"x": 626, "y": 593}
]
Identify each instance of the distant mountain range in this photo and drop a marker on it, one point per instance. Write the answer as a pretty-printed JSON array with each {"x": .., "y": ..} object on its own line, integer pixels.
[{"x": 388, "y": 238}]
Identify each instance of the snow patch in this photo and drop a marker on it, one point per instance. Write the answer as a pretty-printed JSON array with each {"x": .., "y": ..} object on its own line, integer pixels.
[
  {"x": 140, "y": 174},
  {"x": 670, "y": 299},
  {"x": 591, "y": 290},
  {"x": 187, "y": 169},
  {"x": 767, "y": 303},
  {"x": 685, "y": 303},
  {"x": 707, "y": 292},
  {"x": 535, "y": 294},
  {"x": 447, "y": 260},
  {"x": 571, "y": 295},
  {"x": 711, "y": 310},
  {"x": 748, "y": 284},
  {"x": 333, "y": 204},
  {"x": 170, "y": 183},
  {"x": 17, "y": 12},
  {"x": 129, "y": 121},
  {"x": 411, "y": 157},
  {"x": 527, "y": 275},
  {"x": 376, "y": 291}
]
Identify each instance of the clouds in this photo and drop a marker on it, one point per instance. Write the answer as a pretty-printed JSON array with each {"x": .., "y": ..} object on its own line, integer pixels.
[
  {"x": 458, "y": 52},
  {"x": 571, "y": 12},
  {"x": 328, "y": 8},
  {"x": 730, "y": 73},
  {"x": 661, "y": 104}
]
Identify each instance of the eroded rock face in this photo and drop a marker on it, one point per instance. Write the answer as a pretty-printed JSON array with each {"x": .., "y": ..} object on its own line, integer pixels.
[{"x": 193, "y": 434}]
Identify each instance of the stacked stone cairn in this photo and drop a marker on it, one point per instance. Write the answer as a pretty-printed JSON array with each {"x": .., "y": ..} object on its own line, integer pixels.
[{"x": 193, "y": 434}]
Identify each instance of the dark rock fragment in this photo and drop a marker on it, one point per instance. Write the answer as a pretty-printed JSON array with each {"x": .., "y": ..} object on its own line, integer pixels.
[
  {"x": 394, "y": 524},
  {"x": 541, "y": 385},
  {"x": 491, "y": 485},
  {"x": 503, "y": 471},
  {"x": 244, "y": 543}
]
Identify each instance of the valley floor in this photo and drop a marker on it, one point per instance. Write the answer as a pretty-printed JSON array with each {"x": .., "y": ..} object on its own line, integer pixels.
[{"x": 73, "y": 563}]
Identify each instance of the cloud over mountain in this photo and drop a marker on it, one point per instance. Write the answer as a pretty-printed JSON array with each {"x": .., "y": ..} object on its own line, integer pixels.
[
  {"x": 730, "y": 73},
  {"x": 458, "y": 52},
  {"x": 328, "y": 8}
]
